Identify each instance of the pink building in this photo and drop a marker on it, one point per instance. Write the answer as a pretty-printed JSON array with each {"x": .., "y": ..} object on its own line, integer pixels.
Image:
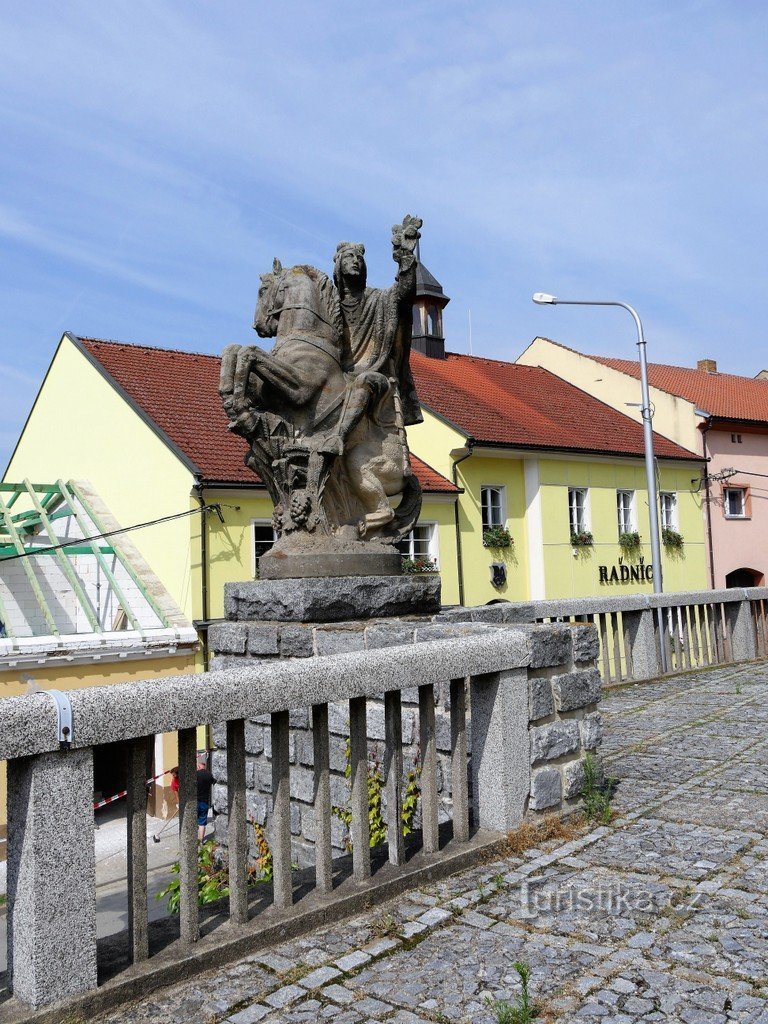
[{"x": 720, "y": 415}]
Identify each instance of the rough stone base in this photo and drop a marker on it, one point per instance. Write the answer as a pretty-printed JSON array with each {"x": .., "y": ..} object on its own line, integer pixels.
[{"x": 332, "y": 600}]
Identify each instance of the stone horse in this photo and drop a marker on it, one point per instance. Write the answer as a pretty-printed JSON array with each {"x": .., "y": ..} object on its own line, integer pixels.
[{"x": 336, "y": 413}]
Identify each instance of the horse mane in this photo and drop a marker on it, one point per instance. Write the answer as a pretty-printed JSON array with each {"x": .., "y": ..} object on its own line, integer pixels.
[{"x": 328, "y": 296}]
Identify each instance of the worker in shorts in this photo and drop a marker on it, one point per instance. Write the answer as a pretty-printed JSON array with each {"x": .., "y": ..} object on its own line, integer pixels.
[{"x": 204, "y": 784}]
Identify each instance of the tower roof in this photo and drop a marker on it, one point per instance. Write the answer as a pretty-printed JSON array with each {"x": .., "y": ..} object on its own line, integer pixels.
[{"x": 427, "y": 285}]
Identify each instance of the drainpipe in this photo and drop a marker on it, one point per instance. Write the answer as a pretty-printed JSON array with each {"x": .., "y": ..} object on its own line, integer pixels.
[
  {"x": 459, "y": 560},
  {"x": 708, "y": 500},
  {"x": 203, "y": 572}
]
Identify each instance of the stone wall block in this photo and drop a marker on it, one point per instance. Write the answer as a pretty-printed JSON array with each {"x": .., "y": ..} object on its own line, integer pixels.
[
  {"x": 540, "y": 698},
  {"x": 388, "y": 635},
  {"x": 573, "y": 779},
  {"x": 302, "y": 784},
  {"x": 228, "y": 637},
  {"x": 518, "y": 614},
  {"x": 554, "y": 740},
  {"x": 219, "y": 798},
  {"x": 339, "y": 641},
  {"x": 550, "y": 646},
  {"x": 296, "y": 642},
  {"x": 263, "y": 640},
  {"x": 577, "y": 689},
  {"x": 592, "y": 731},
  {"x": 586, "y": 643},
  {"x": 219, "y": 734},
  {"x": 254, "y": 738},
  {"x": 219, "y": 765},
  {"x": 546, "y": 789},
  {"x": 488, "y": 613},
  {"x": 295, "y": 815},
  {"x": 257, "y": 806}
]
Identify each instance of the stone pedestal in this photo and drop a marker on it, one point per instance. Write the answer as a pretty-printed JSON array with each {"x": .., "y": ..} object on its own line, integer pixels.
[{"x": 332, "y": 600}]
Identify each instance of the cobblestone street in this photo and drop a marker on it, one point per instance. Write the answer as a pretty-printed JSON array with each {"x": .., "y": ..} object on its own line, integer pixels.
[{"x": 660, "y": 916}]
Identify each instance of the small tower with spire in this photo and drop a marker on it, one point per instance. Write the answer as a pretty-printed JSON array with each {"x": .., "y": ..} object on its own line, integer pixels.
[{"x": 428, "y": 306}]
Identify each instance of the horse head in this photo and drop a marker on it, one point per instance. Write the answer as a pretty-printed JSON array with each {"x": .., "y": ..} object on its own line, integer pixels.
[
  {"x": 269, "y": 303},
  {"x": 305, "y": 295}
]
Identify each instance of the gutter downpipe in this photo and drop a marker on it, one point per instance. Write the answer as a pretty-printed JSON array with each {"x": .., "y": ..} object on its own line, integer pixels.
[
  {"x": 705, "y": 430},
  {"x": 459, "y": 559},
  {"x": 203, "y": 572}
]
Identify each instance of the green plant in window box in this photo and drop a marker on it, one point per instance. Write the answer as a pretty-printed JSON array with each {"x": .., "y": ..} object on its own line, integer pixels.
[
  {"x": 629, "y": 541},
  {"x": 497, "y": 537},
  {"x": 671, "y": 538},
  {"x": 416, "y": 566},
  {"x": 582, "y": 539}
]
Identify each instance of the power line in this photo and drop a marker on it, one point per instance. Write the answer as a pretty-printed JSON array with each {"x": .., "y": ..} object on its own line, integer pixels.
[{"x": 30, "y": 553}]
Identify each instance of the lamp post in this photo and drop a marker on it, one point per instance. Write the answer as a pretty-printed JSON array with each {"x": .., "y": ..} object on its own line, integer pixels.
[{"x": 542, "y": 299}]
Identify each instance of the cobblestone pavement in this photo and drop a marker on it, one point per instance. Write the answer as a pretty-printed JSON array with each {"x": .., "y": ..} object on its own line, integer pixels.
[{"x": 660, "y": 916}]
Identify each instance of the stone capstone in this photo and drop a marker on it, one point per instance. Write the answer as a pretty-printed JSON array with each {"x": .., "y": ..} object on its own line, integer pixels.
[{"x": 332, "y": 600}]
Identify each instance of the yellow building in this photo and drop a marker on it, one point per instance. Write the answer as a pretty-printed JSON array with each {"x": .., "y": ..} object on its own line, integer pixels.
[{"x": 562, "y": 473}]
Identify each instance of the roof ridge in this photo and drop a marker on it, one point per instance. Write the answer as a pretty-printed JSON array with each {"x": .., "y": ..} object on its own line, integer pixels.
[
  {"x": 674, "y": 366},
  {"x": 151, "y": 348}
]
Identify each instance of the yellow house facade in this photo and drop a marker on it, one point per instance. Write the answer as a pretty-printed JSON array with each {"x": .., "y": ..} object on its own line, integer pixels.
[{"x": 565, "y": 465}]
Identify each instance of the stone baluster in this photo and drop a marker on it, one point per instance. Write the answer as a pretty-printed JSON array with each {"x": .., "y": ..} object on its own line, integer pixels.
[
  {"x": 640, "y": 639},
  {"x": 429, "y": 797},
  {"x": 322, "y": 798},
  {"x": 741, "y": 631},
  {"x": 393, "y": 774},
  {"x": 189, "y": 915},
  {"x": 138, "y": 934},
  {"x": 281, "y": 812},
  {"x": 361, "y": 828},
  {"x": 237, "y": 835},
  {"x": 459, "y": 780}
]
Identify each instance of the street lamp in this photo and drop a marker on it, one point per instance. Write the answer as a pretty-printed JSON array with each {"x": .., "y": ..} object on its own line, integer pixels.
[{"x": 542, "y": 299}]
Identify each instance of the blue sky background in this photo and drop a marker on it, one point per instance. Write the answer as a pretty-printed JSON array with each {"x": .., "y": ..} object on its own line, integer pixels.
[{"x": 156, "y": 156}]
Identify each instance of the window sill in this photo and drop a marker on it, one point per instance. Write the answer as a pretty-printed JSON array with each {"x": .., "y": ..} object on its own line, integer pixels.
[{"x": 737, "y": 518}]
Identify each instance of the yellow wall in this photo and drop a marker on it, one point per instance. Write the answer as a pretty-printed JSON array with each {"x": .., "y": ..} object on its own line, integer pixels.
[
  {"x": 673, "y": 417},
  {"x": 82, "y": 429},
  {"x": 569, "y": 576},
  {"x": 230, "y": 544}
]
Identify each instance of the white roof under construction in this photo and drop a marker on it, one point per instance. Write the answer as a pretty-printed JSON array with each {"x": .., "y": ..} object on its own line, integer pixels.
[{"x": 72, "y": 585}]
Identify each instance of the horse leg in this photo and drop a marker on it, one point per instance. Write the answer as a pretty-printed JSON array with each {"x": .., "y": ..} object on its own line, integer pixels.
[{"x": 286, "y": 380}]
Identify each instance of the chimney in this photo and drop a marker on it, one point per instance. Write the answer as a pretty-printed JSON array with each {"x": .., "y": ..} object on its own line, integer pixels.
[{"x": 707, "y": 365}]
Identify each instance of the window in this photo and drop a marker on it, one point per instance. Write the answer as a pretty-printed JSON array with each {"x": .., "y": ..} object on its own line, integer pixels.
[
  {"x": 433, "y": 320},
  {"x": 417, "y": 328},
  {"x": 492, "y": 504},
  {"x": 577, "y": 509},
  {"x": 736, "y": 439},
  {"x": 264, "y": 536},
  {"x": 668, "y": 502},
  {"x": 624, "y": 502},
  {"x": 735, "y": 502},
  {"x": 421, "y": 544}
]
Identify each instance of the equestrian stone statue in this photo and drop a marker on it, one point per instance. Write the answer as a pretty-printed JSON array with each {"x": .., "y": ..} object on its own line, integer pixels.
[{"x": 325, "y": 412}]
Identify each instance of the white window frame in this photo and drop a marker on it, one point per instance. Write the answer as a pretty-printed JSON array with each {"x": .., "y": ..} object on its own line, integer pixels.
[
  {"x": 585, "y": 527},
  {"x": 668, "y": 522},
  {"x": 735, "y": 515},
  {"x": 630, "y": 527},
  {"x": 502, "y": 504},
  {"x": 433, "y": 547},
  {"x": 254, "y": 524}
]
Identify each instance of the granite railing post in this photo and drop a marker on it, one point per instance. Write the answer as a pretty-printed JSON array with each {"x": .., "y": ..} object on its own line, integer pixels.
[
  {"x": 741, "y": 630},
  {"x": 640, "y": 637},
  {"x": 51, "y": 876},
  {"x": 501, "y": 764}
]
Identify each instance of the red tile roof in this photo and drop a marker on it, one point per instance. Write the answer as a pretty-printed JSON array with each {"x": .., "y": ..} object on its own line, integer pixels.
[
  {"x": 527, "y": 407},
  {"x": 178, "y": 392},
  {"x": 720, "y": 394}
]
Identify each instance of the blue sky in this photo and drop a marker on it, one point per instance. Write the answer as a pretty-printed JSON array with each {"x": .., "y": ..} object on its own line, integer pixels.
[{"x": 157, "y": 155}]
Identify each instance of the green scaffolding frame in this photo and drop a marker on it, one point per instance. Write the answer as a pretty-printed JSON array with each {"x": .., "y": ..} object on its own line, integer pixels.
[{"x": 51, "y": 502}]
